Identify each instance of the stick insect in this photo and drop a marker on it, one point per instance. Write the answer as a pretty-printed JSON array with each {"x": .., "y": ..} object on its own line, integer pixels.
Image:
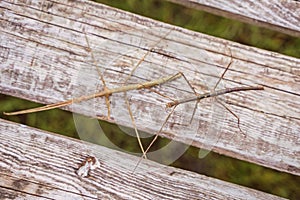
[
  {"x": 197, "y": 97},
  {"x": 107, "y": 92}
]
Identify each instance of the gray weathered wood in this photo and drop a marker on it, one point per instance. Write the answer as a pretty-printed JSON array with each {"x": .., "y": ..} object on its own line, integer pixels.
[
  {"x": 44, "y": 58},
  {"x": 281, "y": 16},
  {"x": 38, "y": 164}
]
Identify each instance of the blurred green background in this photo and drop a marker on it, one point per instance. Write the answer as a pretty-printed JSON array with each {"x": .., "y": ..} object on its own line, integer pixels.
[{"x": 213, "y": 165}]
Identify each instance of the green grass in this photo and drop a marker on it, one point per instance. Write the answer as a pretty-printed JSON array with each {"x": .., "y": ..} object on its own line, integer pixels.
[
  {"x": 214, "y": 165},
  {"x": 211, "y": 24}
]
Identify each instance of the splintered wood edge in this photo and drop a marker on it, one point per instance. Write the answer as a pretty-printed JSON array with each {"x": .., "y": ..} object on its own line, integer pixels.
[
  {"x": 35, "y": 163},
  {"x": 277, "y": 124},
  {"x": 280, "y": 16}
]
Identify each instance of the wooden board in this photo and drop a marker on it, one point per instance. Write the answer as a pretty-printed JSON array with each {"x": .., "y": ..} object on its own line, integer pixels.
[
  {"x": 44, "y": 58},
  {"x": 282, "y": 16},
  {"x": 37, "y": 164}
]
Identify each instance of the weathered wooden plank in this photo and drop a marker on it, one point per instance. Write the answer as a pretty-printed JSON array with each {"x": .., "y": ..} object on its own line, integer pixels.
[
  {"x": 282, "y": 16},
  {"x": 14, "y": 187},
  {"x": 6, "y": 193},
  {"x": 42, "y": 164},
  {"x": 56, "y": 65}
]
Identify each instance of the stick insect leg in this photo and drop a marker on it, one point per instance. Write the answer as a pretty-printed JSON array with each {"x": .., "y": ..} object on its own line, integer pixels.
[
  {"x": 238, "y": 119},
  {"x": 135, "y": 127},
  {"x": 126, "y": 99},
  {"x": 144, "y": 56},
  {"x": 107, "y": 102},
  {"x": 129, "y": 108},
  {"x": 222, "y": 76},
  {"x": 156, "y": 136},
  {"x": 196, "y": 104}
]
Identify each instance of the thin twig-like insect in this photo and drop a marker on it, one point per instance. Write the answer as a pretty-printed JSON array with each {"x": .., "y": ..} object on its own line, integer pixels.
[
  {"x": 106, "y": 92},
  {"x": 197, "y": 97},
  {"x": 214, "y": 93}
]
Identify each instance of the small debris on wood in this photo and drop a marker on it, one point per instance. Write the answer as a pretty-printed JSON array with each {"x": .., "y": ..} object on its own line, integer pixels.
[{"x": 91, "y": 163}]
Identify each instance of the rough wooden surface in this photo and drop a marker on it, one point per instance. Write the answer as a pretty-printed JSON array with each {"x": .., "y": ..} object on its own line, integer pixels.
[
  {"x": 37, "y": 164},
  {"x": 282, "y": 16},
  {"x": 44, "y": 58}
]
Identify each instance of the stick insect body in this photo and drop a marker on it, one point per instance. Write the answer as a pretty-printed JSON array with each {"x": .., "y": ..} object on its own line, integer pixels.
[
  {"x": 103, "y": 93},
  {"x": 198, "y": 97}
]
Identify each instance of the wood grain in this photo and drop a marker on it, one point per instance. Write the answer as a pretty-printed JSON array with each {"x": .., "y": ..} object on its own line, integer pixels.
[
  {"x": 44, "y": 58},
  {"x": 282, "y": 16},
  {"x": 38, "y": 164}
]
